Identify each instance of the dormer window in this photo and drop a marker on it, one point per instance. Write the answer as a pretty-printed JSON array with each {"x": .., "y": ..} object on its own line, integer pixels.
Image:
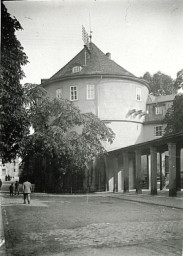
[{"x": 76, "y": 69}]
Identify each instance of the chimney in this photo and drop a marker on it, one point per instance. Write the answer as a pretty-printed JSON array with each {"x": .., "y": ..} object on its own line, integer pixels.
[
  {"x": 108, "y": 54},
  {"x": 43, "y": 80}
]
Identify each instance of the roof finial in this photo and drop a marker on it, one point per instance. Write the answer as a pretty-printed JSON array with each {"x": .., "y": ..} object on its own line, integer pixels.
[{"x": 90, "y": 36}]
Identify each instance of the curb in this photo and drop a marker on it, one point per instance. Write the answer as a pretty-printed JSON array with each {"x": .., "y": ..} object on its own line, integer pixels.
[
  {"x": 160, "y": 200},
  {"x": 2, "y": 237},
  {"x": 149, "y": 201}
]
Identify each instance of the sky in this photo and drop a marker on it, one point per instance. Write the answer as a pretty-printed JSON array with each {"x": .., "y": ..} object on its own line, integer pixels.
[{"x": 141, "y": 35}]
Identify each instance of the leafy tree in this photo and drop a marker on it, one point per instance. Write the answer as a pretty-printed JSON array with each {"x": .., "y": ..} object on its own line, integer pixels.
[
  {"x": 174, "y": 116},
  {"x": 160, "y": 84},
  {"x": 14, "y": 122},
  {"x": 64, "y": 141},
  {"x": 179, "y": 80},
  {"x": 147, "y": 76}
]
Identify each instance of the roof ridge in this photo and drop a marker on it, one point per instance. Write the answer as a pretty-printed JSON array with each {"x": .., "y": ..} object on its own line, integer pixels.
[
  {"x": 110, "y": 60},
  {"x": 67, "y": 64}
]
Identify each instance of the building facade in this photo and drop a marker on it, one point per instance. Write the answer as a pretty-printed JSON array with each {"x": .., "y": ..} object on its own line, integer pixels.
[
  {"x": 95, "y": 83},
  {"x": 156, "y": 109},
  {"x": 9, "y": 170}
]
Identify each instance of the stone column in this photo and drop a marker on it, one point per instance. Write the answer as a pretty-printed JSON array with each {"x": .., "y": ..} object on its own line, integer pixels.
[
  {"x": 147, "y": 159},
  {"x": 85, "y": 181},
  {"x": 107, "y": 173},
  {"x": 149, "y": 170},
  {"x": 153, "y": 151},
  {"x": 99, "y": 180},
  {"x": 161, "y": 174},
  {"x": 115, "y": 166},
  {"x": 178, "y": 169},
  {"x": 172, "y": 169},
  {"x": 126, "y": 171},
  {"x": 138, "y": 171},
  {"x": 92, "y": 188}
]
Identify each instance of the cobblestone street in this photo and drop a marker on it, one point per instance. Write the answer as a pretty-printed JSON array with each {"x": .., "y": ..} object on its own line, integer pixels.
[{"x": 90, "y": 225}]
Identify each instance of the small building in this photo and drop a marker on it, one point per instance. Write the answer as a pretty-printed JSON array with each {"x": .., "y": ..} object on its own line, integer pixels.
[
  {"x": 156, "y": 109},
  {"x": 10, "y": 170}
]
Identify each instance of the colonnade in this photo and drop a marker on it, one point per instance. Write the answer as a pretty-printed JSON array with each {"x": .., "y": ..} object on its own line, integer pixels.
[
  {"x": 123, "y": 169},
  {"x": 173, "y": 169}
]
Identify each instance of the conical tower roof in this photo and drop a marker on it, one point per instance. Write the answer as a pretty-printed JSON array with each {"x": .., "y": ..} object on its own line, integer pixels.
[{"x": 93, "y": 62}]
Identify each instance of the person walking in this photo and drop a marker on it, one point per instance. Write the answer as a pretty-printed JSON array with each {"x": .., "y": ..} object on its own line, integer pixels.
[
  {"x": 11, "y": 189},
  {"x": 0, "y": 184},
  {"x": 16, "y": 187},
  {"x": 27, "y": 187}
]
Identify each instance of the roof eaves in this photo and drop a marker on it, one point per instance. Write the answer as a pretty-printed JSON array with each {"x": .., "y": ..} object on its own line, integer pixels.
[{"x": 98, "y": 74}]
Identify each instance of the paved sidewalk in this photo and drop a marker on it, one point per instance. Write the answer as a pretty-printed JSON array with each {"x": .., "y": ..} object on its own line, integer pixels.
[
  {"x": 161, "y": 199},
  {"x": 90, "y": 224}
]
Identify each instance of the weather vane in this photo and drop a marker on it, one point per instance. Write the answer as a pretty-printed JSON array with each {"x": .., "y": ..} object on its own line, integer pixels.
[{"x": 86, "y": 37}]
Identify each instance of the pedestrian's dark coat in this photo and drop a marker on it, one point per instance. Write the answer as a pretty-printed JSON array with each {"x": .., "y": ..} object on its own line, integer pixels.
[{"x": 11, "y": 189}]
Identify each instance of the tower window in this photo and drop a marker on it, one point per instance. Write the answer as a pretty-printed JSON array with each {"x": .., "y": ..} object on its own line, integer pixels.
[
  {"x": 138, "y": 94},
  {"x": 90, "y": 91},
  {"x": 58, "y": 93},
  {"x": 76, "y": 69},
  {"x": 73, "y": 93}
]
